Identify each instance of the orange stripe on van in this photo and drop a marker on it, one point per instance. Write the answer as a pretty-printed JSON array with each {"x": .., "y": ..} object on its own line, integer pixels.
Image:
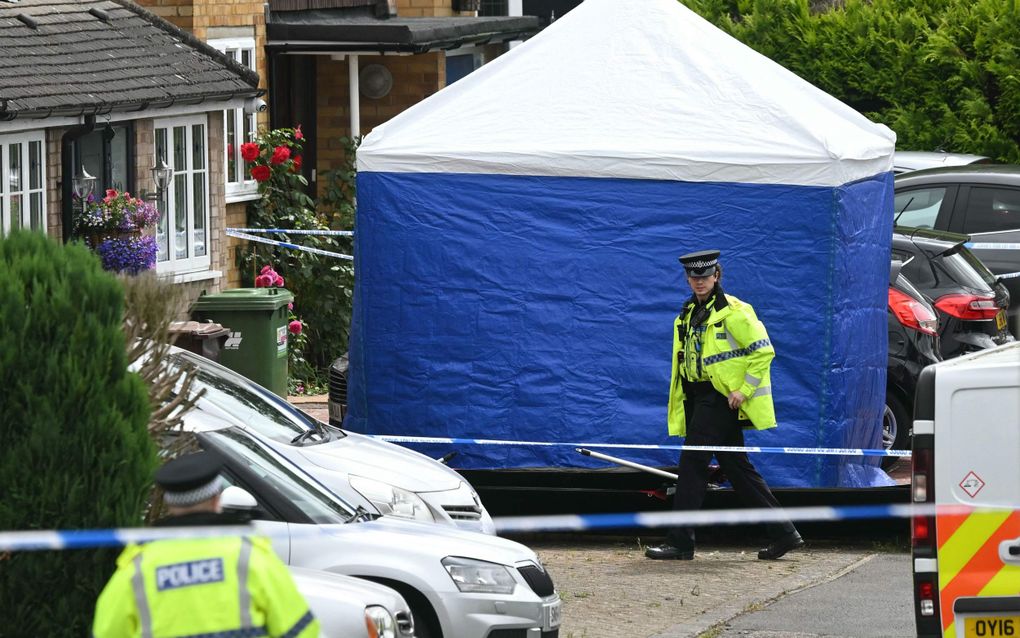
[
  {"x": 947, "y": 526},
  {"x": 980, "y": 568}
]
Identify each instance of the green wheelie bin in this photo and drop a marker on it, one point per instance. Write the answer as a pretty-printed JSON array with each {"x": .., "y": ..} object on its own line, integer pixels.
[{"x": 257, "y": 320}]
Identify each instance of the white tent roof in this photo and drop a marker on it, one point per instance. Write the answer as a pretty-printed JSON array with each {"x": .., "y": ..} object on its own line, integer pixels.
[{"x": 641, "y": 89}]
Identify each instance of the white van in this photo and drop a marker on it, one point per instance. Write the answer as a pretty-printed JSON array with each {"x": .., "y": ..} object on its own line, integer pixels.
[{"x": 966, "y": 453}]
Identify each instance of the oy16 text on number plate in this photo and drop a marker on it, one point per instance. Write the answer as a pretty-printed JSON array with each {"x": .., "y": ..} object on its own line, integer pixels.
[{"x": 996, "y": 627}]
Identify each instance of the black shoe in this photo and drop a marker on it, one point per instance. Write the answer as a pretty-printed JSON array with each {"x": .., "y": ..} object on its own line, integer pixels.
[
  {"x": 669, "y": 552},
  {"x": 779, "y": 547}
]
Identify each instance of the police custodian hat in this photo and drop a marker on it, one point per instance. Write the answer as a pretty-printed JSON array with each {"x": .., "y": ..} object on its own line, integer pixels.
[
  {"x": 700, "y": 264},
  {"x": 190, "y": 479}
]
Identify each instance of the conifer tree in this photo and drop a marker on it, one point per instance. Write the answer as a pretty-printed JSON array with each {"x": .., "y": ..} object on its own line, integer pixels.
[{"x": 75, "y": 450}]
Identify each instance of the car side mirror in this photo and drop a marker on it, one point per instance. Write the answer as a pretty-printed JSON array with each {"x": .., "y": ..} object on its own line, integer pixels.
[{"x": 237, "y": 498}]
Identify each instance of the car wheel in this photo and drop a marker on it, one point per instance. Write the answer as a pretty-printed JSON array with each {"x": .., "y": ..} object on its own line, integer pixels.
[
  {"x": 895, "y": 428},
  {"x": 426, "y": 622}
]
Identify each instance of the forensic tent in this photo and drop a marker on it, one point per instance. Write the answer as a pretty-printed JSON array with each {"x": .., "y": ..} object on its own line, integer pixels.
[{"x": 518, "y": 232}]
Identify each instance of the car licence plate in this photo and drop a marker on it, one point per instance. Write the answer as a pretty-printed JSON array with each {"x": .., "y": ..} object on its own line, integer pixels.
[
  {"x": 991, "y": 626},
  {"x": 1000, "y": 320},
  {"x": 551, "y": 615}
]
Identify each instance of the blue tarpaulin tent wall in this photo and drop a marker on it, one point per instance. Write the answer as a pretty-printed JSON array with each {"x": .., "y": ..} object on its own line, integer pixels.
[{"x": 518, "y": 233}]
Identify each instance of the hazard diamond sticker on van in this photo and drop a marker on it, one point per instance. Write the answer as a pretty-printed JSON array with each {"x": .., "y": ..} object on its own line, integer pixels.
[{"x": 972, "y": 484}]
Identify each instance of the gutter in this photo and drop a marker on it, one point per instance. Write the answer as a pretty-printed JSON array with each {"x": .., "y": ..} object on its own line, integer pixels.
[
  {"x": 108, "y": 108},
  {"x": 67, "y": 173}
]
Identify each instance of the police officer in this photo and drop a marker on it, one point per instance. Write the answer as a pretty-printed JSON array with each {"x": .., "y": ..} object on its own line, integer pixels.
[
  {"x": 720, "y": 384},
  {"x": 215, "y": 586}
]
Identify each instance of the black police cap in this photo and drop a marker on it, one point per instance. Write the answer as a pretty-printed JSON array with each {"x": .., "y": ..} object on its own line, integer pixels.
[
  {"x": 189, "y": 472},
  {"x": 700, "y": 264}
]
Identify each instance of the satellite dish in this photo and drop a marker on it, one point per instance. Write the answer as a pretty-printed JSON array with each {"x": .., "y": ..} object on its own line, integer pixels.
[{"x": 375, "y": 81}]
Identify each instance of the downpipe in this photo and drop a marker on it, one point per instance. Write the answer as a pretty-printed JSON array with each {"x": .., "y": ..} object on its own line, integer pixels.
[{"x": 70, "y": 136}]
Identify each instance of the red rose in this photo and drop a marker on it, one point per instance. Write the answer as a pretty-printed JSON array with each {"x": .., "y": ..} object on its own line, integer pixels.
[
  {"x": 280, "y": 155},
  {"x": 297, "y": 164},
  {"x": 249, "y": 151},
  {"x": 261, "y": 172},
  {"x": 297, "y": 133}
]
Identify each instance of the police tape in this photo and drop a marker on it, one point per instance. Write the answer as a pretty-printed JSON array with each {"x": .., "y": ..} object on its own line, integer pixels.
[
  {"x": 814, "y": 451},
  {"x": 24, "y": 541},
  {"x": 292, "y": 231},
  {"x": 284, "y": 244}
]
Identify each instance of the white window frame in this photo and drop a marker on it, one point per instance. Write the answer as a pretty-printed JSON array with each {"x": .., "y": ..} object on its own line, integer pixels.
[
  {"x": 245, "y": 189},
  {"x": 25, "y": 190},
  {"x": 173, "y": 264}
]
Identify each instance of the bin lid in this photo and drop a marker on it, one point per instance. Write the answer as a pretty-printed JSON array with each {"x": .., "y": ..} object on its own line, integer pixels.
[
  {"x": 244, "y": 299},
  {"x": 198, "y": 329}
]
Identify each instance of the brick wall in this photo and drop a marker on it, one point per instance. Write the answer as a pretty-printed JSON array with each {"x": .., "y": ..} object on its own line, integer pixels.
[
  {"x": 428, "y": 9},
  {"x": 54, "y": 227},
  {"x": 415, "y": 77}
]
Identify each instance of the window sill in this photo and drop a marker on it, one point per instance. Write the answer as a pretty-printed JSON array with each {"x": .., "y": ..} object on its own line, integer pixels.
[
  {"x": 187, "y": 277},
  {"x": 242, "y": 196}
]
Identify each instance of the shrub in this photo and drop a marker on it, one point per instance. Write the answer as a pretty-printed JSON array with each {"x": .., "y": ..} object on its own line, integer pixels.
[
  {"x": 322, "y": 285},
  {"x": 76, "y": 452}
]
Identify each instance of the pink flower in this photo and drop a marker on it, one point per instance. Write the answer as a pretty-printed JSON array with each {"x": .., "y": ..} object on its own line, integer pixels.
[
  {"x": 280, "y": 155},
  {"x": 263, "y": 281},
  {"x": 249, "y": 151},
  {"x": 294, "y": 327},
  {"x": 265, "y": 269},
  {"x": 290, "y": 306},
  {"x": 298, "y": 135},
  {"x": 278, "y": 281}
]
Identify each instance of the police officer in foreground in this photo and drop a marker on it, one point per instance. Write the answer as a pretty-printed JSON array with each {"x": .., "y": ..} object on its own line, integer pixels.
[
  {"x": 215, "y": 586},
  {"x": 720, "y": 384}
]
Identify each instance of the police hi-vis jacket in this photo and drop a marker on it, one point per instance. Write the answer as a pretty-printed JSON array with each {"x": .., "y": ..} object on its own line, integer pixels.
[
  {"x": 229, "y": 586},
  {"x": 735, "y": 354}
]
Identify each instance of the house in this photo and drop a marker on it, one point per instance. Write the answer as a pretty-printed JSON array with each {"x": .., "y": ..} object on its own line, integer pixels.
[
  {"x": 106, "y": 88},
  {"x": 336, "y": 67}
]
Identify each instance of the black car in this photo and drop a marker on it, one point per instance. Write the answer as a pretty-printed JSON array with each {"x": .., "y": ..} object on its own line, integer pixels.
[
  {"x": 913, "y": 344},
  {"x": 970, "y": 301},
  {"x": 980, "y": 200}
]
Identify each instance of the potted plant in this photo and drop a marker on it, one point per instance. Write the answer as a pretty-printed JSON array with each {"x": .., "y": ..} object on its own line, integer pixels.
[{"x": 115, "y": 227}]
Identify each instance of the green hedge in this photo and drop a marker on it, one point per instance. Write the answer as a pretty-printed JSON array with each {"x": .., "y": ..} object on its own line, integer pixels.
[
  {"x": 76, "y": 451},
  {"x": 943, "y": 74}
]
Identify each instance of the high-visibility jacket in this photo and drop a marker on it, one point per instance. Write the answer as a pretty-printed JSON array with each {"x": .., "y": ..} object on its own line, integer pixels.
[
  {"x": 228, "y": 586},
  {"x": 736, "y": 354}
]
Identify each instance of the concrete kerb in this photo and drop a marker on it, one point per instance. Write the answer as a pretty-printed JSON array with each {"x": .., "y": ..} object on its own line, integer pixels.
[{"x": 802, "y": 579}]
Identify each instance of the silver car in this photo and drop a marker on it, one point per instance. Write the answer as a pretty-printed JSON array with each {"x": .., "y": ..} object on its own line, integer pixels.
[
  {"x": 381, "y": 477},
  {"x": 456, "y": 583},
  {"x": 346, "y": 606}
]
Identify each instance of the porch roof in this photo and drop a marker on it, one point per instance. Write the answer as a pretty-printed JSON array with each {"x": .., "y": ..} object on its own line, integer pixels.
[
  {"x": 76, "y": 57},
  {"x": 337, "y": 31}
]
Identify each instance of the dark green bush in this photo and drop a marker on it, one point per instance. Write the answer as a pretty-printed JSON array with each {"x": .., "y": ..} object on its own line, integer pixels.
[
  {"x": 941, "y": 73},
  {"x": 75, "y": 450}
]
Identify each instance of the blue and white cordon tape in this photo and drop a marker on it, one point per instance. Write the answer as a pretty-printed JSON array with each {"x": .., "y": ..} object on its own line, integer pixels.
[
  {"x": 819, "y": 451},
  {"x": 240, "y": 234},
  {"x": 97, "y": 538}
]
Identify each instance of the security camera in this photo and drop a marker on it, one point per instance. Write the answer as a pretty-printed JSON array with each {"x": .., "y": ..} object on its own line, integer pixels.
[{"x": 255, "y": 105}]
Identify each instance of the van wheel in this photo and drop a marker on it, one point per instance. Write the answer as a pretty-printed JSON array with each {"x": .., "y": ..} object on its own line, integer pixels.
[{"x": 895, "y": 428}]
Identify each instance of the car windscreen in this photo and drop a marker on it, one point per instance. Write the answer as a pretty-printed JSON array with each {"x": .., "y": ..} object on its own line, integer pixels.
[
  {"x": 966, "y": 270},
  {"x": 317, "y": 505},
  {"x": 245, "y": 403}
]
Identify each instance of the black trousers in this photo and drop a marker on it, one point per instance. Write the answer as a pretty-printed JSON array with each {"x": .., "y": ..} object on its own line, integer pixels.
[{"x": 710, "y": 421}]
